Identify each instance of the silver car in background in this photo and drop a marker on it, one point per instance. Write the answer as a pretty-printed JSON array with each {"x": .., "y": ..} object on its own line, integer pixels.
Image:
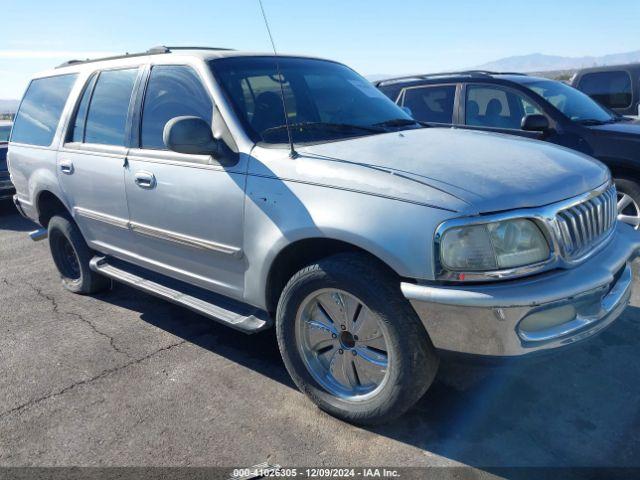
[
  {"x": 256, "y": 190},
  {"x": 6, "y": 187}
]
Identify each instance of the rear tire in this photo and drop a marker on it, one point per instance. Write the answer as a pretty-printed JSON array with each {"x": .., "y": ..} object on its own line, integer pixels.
[
  {"x": 628, "y": 201},
  {"x": 394, "y": 365},
  {"x": 71, "y": 256}
]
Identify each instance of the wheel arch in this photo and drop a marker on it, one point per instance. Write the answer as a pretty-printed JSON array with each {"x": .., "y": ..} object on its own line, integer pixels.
[
  {"x": 619, "y": 170},
  {"x": 621, "y": 167},
  {"x": 47, "y": 205},
  {"x": 300, "y": 253}
]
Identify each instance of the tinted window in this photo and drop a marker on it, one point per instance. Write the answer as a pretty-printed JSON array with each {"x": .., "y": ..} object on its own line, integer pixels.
[
  {"x": 612, "y": 89},
  {"x": 40, "y": 110},
  {"x": 496, "y": 107},
  {"x": 77, "y": 130},
  {"x": 260, "y": 93},
  {"x": 5, "y": 130},
  {"x": 431, "y": 104},
  {"x": 173, "y": 91},
  {"x": 324, "y": 100},
  {"x": 107, "y": 117}
]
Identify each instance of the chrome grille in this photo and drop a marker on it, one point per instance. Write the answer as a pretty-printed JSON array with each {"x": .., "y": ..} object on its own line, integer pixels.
[{"x": 585, "y": 225}]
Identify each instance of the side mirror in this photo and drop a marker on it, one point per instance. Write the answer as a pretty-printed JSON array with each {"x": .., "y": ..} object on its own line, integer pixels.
[
  {"x": 190, "y": 135},
  {"x": 535, "y": 123},
  {"x": 408, "y": 111}
]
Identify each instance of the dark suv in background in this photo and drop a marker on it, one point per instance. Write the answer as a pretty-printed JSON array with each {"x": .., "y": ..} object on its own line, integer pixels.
[
  {"x": 537, "y": 108},
  {"x": 616, "y": 87},
  {"x": 6, "y": 188}
]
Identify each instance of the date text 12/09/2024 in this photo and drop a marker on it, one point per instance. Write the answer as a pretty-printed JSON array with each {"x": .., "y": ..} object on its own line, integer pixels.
[{"x": 276, "y": 471}]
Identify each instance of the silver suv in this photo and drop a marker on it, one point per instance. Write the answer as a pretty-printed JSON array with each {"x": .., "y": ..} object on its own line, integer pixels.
[{"x": 256, "y": 189}]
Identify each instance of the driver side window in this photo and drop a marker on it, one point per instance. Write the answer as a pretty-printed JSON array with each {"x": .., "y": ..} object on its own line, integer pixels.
[
  {"x": 172, "y": 91},
  {"x": 496, "y": 107}
]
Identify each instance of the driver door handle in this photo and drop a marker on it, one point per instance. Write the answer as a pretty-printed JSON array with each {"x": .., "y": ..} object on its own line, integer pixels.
[
  {"x": 66, "y": 167},
  {"x": 144, "y": 179}
]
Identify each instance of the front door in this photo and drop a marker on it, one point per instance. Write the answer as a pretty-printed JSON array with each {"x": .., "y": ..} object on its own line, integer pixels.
[
  {"x": 186, "y": 211},
  {"x": 91, "y": 163}
]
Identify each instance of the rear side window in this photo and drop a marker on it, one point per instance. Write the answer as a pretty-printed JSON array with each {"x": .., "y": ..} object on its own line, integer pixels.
[
  {"x": 109, "y": 106},
  {"x": 40, "y": 110},
  {"x": 431, "y": 104},
  {"x": 173, "y": 91},
  {"x": 611, "y": 89}
]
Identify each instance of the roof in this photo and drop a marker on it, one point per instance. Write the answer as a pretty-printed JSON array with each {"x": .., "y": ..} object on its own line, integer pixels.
[
  {"x": 204, "y": 53},
  {"x": 443, "y": 75},
  {"x": 524, "y": 79},
  {"x": 606, "y": 68},
  {"x": 201, "y": 52}
]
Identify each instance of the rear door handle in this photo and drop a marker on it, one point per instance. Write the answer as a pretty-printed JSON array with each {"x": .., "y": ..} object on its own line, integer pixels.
[
  {"x": 66, "y": 167},
  {"x": 145, "y": 179}
]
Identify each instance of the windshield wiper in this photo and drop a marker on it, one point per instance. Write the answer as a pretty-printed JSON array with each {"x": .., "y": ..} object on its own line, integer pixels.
[
  {"x": 342, "y": 127},
  {"x": 399, "y": 122},
  {"x": 593, "y": 121}
]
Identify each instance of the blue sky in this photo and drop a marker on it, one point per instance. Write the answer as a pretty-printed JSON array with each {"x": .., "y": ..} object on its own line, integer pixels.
[{"x": 373, "y": 36}]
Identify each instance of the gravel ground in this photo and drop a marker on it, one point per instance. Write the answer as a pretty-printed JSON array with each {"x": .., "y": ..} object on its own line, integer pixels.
[{"x": 123, "y": 379}]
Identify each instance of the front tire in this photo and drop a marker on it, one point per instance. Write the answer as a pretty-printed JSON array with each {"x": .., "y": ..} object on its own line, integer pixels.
[
  {"x": 71, "y": 256},
  {"x": 352, "y": 342}
]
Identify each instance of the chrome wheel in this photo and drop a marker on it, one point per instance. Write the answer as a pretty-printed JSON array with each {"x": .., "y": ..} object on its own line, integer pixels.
[
  {"x": 628, "y": 210},
  {"x": 342, "y": 344}
]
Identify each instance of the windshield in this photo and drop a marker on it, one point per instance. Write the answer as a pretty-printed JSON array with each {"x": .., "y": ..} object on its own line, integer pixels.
[
  {"x": 324, "y": 100},
  {"x": 573, "y": 103},
  {"x": 5, "y": 130}
]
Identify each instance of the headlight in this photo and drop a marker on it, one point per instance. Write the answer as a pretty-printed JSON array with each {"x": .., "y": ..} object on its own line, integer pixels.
[{"x": 493, "y": 246}]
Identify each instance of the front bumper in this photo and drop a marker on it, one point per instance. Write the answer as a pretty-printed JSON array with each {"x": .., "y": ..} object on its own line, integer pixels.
[{"x": 527, "y": 315}]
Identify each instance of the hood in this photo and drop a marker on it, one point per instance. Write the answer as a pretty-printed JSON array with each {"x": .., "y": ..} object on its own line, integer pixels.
[
  {"x": 624, "y": 128},
  {"x": 487, "y": 171}
]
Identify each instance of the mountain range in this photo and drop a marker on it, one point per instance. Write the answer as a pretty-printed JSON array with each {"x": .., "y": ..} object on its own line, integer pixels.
[{"x": 538, "y": 62}]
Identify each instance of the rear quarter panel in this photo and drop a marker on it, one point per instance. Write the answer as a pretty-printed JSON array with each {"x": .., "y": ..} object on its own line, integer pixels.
[{"x": 33, "y": 170}]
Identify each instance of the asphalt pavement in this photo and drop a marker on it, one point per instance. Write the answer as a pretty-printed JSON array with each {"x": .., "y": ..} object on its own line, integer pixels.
[{"x": 124, "y": 379}]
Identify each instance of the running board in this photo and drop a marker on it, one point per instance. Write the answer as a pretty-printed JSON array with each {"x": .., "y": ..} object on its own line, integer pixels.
[{"x": 237, "y": 315}]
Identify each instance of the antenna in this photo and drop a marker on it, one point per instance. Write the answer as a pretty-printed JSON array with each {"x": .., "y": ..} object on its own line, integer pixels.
[{"x": 292, "y": 150}]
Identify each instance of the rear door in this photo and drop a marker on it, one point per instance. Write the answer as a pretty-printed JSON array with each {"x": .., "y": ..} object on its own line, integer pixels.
[
  {"x": 497, "y": 108},
  {"x": 186, "y": 211},
  {"x": 91, "y": 161}
]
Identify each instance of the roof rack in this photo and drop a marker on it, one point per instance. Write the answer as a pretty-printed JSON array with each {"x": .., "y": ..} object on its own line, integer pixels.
[
  {"x": 157, "y": 50},
  {"x": 461, "y": 73}
]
